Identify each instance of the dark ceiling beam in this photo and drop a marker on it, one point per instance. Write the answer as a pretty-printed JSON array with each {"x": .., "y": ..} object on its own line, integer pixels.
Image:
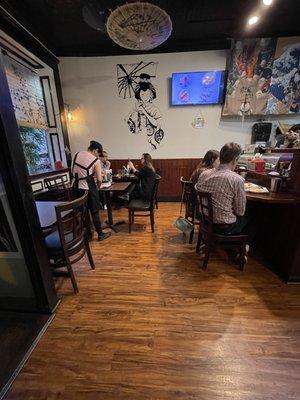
[{"x": 10, "y": 25}]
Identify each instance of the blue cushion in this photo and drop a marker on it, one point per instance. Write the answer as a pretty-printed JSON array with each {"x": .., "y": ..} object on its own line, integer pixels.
[{"x": 53, "y": 241}]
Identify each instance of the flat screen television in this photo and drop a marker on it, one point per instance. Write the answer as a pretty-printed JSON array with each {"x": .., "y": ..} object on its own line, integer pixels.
[{"x": 192, "y": 88}]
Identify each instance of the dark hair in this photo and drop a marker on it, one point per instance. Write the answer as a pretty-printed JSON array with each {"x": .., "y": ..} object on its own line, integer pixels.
[
  {"x": 209, "y": 158},
  {"x": 229, "y": 152},
  {"x": 148, "y": 161},
  {"x": 96, "y": 146}
]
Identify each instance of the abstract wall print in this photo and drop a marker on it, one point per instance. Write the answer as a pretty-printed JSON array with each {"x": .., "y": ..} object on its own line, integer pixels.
[
  {"x": 135, "y": 82},
  {"x": 285, "y": 83},
  {"x": 26, "y": 94},
  {"x": 249, "y": 78}
]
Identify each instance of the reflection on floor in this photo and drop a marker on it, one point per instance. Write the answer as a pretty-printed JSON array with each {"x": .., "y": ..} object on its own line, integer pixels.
[
  {"x": 18, "y": 334},
  {"x": 148, "y": 323}
]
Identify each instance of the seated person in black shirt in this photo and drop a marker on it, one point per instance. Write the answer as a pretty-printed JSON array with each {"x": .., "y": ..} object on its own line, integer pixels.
[{"x": 146, "y": 180}]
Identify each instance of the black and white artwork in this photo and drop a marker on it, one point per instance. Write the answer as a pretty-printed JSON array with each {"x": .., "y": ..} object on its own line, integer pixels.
[
  {"x": 26, "y": 94},
  {"x": 135, "y": 82}
]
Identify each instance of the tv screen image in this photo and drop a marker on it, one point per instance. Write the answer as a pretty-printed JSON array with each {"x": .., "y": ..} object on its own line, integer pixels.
[{"x": 192, "y": 88}]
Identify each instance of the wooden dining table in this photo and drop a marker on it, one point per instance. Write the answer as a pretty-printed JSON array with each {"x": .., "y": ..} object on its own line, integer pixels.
[{"x": 117, "y": 188}]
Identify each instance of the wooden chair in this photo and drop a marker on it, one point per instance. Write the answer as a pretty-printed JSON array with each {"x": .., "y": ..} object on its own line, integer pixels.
[
  {"x": 138, "y": 205},
  {"x": 158, "y": 176},
  {"x": 190, "y": 200},
  {"x": 58, "y": 188},
  {"x": 211, "y": 239},
  {"x": 69, "y": 243}
]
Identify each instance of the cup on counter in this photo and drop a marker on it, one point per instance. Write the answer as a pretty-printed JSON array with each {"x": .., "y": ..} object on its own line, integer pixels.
[{"x": 275, "y": 185}]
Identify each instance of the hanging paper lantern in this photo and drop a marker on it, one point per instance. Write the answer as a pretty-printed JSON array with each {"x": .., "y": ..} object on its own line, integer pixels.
[{"x": 139, "y": 26}]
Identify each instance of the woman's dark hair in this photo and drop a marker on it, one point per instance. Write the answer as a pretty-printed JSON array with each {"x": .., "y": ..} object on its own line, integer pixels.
[
  {"x": 96, "y": 146},
  {"x": 148, "y": 161},
  {"x": 209, "y": 158},
  {"x": 230, "y": 152},
  {"x": 207, "y": 162}
]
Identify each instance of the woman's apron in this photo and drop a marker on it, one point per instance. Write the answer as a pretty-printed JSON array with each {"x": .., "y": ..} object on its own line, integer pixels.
[{"x": 93, "y": 201}]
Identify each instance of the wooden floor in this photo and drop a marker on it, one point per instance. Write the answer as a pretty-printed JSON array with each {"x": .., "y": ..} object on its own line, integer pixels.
[{"x": 148, "y": 323}]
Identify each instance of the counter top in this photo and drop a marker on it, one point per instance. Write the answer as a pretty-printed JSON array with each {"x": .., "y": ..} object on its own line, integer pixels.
[{"x": 273, "y": 198}]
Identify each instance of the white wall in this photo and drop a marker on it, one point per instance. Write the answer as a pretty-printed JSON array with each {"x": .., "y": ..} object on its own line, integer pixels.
[{"x": 90, "y": 87}]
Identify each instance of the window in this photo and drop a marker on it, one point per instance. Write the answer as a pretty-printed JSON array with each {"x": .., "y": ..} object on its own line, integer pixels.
[{"x": 35, "y": 146}]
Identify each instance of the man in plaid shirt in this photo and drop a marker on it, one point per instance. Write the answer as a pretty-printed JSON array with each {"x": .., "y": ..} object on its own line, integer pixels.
[{"x": 227, "y": 191}]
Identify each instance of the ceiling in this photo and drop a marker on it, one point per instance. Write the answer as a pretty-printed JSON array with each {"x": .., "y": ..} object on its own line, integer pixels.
[{"x": 197, "y": 24}]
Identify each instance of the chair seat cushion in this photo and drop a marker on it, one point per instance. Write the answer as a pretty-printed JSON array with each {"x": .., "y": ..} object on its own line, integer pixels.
[
  {"x": 138, "y": 204},
  {"x": 53, "y": 242}
]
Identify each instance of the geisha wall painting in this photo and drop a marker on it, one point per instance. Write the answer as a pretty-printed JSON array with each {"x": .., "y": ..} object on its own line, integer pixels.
[{"x": 135, "y": 82}]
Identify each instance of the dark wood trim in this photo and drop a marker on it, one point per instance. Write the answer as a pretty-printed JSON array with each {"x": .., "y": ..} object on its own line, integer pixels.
[
  {"x": 292, "y": 151},
  {"x": 50, "y": 172},
  {"x": 20, "y": 34},
  {"x": 62, "y": 114},
  {"x": 10, "y": 48},
  {"x": 42, "y": 79},
  {"x": 20, "y": 196},
  {"x": 19, "y": 61},
  {"x": 52, "y": 145}
]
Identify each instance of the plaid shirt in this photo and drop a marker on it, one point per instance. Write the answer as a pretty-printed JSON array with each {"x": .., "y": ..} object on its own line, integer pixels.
[{"x": 227, "y": 192}]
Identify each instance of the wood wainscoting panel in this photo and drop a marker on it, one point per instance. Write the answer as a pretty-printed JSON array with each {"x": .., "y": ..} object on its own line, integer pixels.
[{"x": 171, "y": 170}]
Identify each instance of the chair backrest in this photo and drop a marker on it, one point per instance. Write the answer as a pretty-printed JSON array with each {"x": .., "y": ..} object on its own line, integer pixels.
[
  {"x": 155, "y": 190},
  {"x": 205, "y": 211},
  {"x": 57, "y": 186},
  {"x": 71, "y": 218},
  {"x": 188, "y": 198},
  {"x": 55, "y": 183}
]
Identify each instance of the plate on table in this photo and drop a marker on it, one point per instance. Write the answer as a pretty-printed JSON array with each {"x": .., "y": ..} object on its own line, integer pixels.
[{"x": 253, "y": 188}]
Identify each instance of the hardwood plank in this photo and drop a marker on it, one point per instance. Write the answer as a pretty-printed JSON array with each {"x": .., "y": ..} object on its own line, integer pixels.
[{"x": 148, "y": 323}]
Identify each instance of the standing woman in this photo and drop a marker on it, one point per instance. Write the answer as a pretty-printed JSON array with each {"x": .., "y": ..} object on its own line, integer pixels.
[
  {"x": 87, "y": 175},
  {"x": 146, "y": 175},
  {"x": 210, "y": 160}
]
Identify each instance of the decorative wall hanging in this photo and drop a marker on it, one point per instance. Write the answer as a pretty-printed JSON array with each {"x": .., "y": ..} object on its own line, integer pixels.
[
  {"x": 139, "y": 26},
  {"x": 134, "y": 81},
  {"x": 26, "y": 94},
  {"x": 198, "y": 121},
  {"x": 264, "y": 77},
  {"x": 249, "y": 77},
  {"x": 285, "y": 83}
]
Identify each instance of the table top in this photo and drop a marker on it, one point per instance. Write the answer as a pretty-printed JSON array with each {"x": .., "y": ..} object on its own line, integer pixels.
[
  {"x": 273, "y": 198},
  {"x": 125, "y": 178},
  {"x": 46, "y": 212},
  {"x": 116, "y": 187}
]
